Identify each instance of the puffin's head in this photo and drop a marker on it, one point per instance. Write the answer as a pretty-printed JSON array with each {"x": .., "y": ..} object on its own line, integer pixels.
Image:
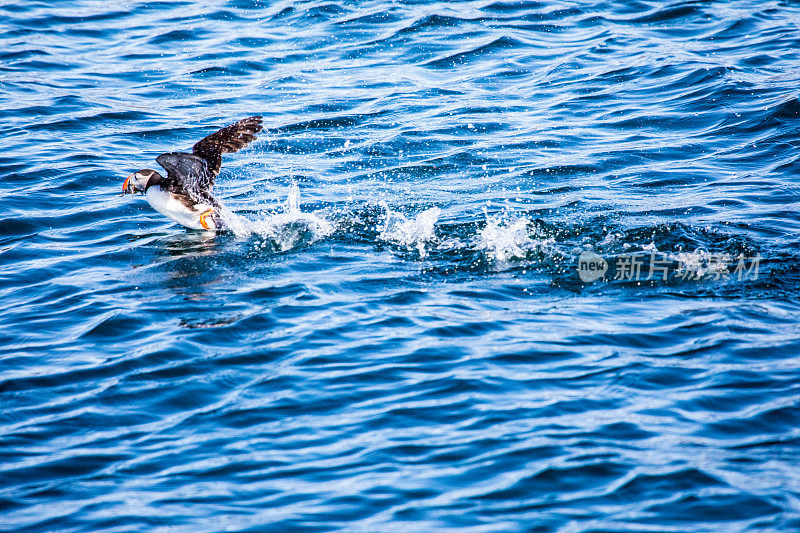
[{"x": 137, "y": 182}]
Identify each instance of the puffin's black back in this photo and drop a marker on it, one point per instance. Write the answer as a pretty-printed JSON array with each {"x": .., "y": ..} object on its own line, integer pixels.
[
  {"x": 187, "y": 173},
  {"x": 193, "y": 174}
]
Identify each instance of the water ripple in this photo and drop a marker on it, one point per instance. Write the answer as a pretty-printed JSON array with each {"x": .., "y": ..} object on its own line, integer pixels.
[{"x": 397, "y": 335}]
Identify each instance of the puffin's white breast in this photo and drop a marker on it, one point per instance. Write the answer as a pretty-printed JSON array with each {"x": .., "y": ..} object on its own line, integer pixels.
[{"x": 169, "y": 205}]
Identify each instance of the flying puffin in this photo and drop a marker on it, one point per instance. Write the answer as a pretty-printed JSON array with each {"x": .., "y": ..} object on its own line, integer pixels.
[{"x": 185, "y": 195}]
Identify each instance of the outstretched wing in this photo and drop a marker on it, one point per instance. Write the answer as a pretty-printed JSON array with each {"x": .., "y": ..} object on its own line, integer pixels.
[
  {"x": 225, "y": 141},
  {"x": 187, "y": 174}
]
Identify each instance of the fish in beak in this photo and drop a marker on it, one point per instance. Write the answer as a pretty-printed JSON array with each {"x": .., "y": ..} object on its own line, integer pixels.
[{"x": 137, "y": 182}]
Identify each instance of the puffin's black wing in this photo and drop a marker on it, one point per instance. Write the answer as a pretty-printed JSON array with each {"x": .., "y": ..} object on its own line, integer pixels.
[
  {"x": 187, "y": 174},
  {"x": 226, "y": 141}
]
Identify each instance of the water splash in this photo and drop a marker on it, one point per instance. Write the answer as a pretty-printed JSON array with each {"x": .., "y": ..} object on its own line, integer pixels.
[
  {"x": 701, "y": 263},
  {"x": 415, "y": 234},
  {"x": 236, "y": 223},
  {"x": 506, "y": 238},
  {"x": 287, "y": 227}
]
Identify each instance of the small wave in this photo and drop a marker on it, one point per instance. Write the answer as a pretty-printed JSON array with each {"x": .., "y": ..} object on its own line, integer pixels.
[
  {"x": 668, "y": 14},
  {"x": 501, "y": 44},
  {"x": 177, "y": 36},
  {"x": 432, "y": 22}
]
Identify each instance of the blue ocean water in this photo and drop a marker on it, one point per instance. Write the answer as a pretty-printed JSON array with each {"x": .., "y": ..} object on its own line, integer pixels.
[{"x": 399, "y": 334}]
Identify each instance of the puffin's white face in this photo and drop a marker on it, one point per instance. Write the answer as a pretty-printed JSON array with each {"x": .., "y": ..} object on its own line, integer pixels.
[{"x": 137, "y": 182}]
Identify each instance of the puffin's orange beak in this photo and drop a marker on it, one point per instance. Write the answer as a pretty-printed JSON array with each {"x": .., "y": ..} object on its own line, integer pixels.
[{"x": 125, "y": 185}]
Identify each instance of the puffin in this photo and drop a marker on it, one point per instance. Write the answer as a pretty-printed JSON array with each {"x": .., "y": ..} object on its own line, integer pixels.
[{"x": 185, "y": 194}]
